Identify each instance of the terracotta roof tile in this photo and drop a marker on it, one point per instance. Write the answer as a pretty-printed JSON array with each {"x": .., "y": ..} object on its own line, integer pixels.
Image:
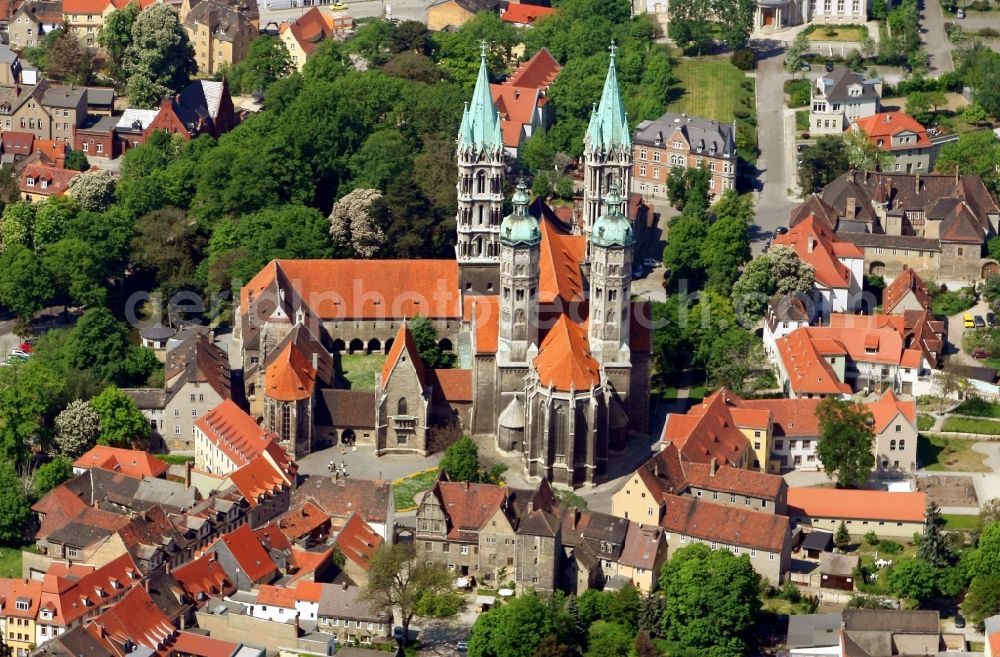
[
  {"x": 70, "y": 600},
  {"x": 903, "y": 284},
  {"x": 524, "y": 14},
  {"x": 249, "y": 554},
  {"x": 199, "y": 645},
  {"x": 235, "y": 433},
  {"x": 856, "y": 504},
  {"x": 564, "y": 360},
  {"x": 790, "y": 417},
  {"x": 307, "y": 562},
  {"x": 485, "y": 312},
  {"x": 203, "y": 577},
  {"x": 559, "y": 276},
  {"x": 468, "y": 506},
  {"x": 403, "y": 347},
  {"x": 343, "y": 497},
  {"x": 309, "y": 29},
  {"x": 357, "y": 541},
  {"x": 824, "y": 252},
  {"x": 259, "y": 479},
  {"x": 130, "y": 462},
  {"x": 885, "y": 410},
  {"x": 136, "y": 619},
  {"x": 882, "y": 127},
  {"x": 45, "y": 180},
  {"x": 725, "y": 524},
  {"x": 707, "y": 431},
  {"x": 303, "y": 520},
  {"x": 290, "y": 376},
  {"x": 642, "y": 545},
  {"x": 453, "y": 385}
]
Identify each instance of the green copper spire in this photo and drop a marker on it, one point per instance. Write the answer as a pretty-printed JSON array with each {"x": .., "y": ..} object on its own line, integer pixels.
[
  {"x": 519, "y": 228},
  {"x": 608, "y": 122},
  {"x": 480, "y": 128},
  {"x": 612, "y": 228}
]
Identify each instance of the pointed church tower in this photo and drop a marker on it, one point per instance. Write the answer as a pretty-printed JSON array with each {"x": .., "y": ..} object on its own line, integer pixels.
[
  {"x": 611, "y": 250},
  {"x": 607, "y": 150},
  {"x": 480, "y": 184},
  {"x": 519, "y": 265}
]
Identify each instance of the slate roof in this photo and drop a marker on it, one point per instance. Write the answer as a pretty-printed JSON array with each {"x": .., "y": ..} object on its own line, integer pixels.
[
  {"x": 706, "y": 136},
  {"x": 345, "y": 496},
  {"x": 64, "y": 97},
  {"x": 836, "y": 84},
  {"x": 198, "y": 360},
  {"x": 818, "y": 540},
  {"x": 224, "y": 21}
]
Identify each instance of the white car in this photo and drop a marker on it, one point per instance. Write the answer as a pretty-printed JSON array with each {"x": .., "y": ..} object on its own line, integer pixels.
[{"x": 19, "y": 353}]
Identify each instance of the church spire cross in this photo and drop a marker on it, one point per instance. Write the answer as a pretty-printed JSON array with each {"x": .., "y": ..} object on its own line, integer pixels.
[
  {"x": 614, "y": 49},
  {"x": 608, "y": 122}
]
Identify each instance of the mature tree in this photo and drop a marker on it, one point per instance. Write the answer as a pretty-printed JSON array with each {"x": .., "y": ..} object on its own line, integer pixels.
[
  {"x": 684, "y": 251},
  {"x": 727, "y": 243},
  {"x": 116, "y": 36},
  {"x": 25, "y": 284},
  {"x": 644, "y": 646},
  {"x": 461, "y": 461},
  {"x": 737, "y": 23},
  {"x": 267, "y": 61},
  {"x": 353, "y": 226},
  {"x": 386, "y": 156},
  {"x": 18, "y": 224},
  {"x": 99, "y": 343},
  {"x": 712, "y": 598},
  {"x": 624, "y": 606},
  {"x": 650, "y": 615},
  {"x": 607, "y": 638},
  {"x": 160, "y": 60},
  {"x": 793, "y": 54},
  {"x": 399, "y": 577},
  {"x": 77, "y": 428},
  {"x": 976, "y": 153},
  {"x": 913, "y": 578},
  {"x": 690, "y": 24},
  {"x": 15, "y": 512},
  {"x": 983, "y": 599},
  {"x": 948, "y": 383},
  {"x": 985, "y": 561},
  {"x": 822, "y": 163},
  {"x": 425, "y": 338},
  {"x": 168, "y": 244},
  {"x": 414, "y": 66},
  {"x": 435, "y": 171},
  {"x": 863, "y": 154},
  {"x": 77, "y": 271},
  {"x": 52, "y": 220},
  {"x": 517, "y": 628},
  {"x": 845, "y": 440},
  {"x": 989, "y": 513},
  {"x": 51, "y": 474},
  {"x": 935, "y": 548},
  {"x": 778, "y": 272},
  {"x": 28, "y": 391},
  {"x": 552, "y": 647},
  {"x": 122, "y": 423},
  {"x": 77, "y": 160},
  {"x": 842, "y": 538},
  {"x": 975, "y": 114},
  {"x": 67, "y": 59},
  {"x": 918, "y": 105},
  {"x": 733, "y": 356},
  {"x": 93, "y": 190},
  {"x": 979, "y": 68}
]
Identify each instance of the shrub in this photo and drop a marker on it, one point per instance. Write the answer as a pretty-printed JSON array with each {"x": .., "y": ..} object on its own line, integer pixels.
[
  {"x": 871, "y": 538},
  {"x": 741, "y": 114},
  {"x": 951, "y": 302},
  {"x": 790, "y": 592},
  {"x": 804, "y": 135},
  {"x": 744, "y": 59},
  {"x": 978, "y": 406},
  {"x": 798, "y": 92},
  {"x": 890, "y": 547},
  {"x": 747, "y": 85},
  {"x": 924, "y": 422},
  {"x": 987, "y": 32}
]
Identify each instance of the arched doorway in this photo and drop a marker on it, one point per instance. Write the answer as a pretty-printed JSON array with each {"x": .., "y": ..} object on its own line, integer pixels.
[
  {"x": 877, "y": 269},
  {"x": 356, "y": 345},
  {"x": 374, "y": 345},
  {"x": 445, "y": 344},
  {"x": 338, "y": 346},
  {"x": 388, "y": 344},
  {"x": 990, "y": 268},
  {"x": 347, "y": 437}
]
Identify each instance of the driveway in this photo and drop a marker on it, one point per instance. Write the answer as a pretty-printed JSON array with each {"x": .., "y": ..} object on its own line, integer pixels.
[
  {"x": 956, "y": 331},
  {"x": 935, "y": 40},
  {"x": 775, "y": 139}
]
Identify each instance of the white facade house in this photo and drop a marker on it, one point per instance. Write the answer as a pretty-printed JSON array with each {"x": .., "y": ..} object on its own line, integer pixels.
[{"x": 841, "y": 97}]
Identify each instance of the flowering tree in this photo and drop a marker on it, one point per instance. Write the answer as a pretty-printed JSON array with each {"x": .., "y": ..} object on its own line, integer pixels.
[{"x": 353, "y": 225}]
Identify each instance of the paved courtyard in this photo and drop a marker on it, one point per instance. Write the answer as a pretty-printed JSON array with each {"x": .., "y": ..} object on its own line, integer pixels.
[{"x": 362, "y": 463}]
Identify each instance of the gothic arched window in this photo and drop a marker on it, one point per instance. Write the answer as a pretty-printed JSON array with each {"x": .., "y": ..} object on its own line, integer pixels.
[
  {"x": 401, "y": 406},
  {"x": 481, "y": 182}
]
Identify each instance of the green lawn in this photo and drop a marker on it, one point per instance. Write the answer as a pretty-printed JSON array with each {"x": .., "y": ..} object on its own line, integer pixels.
[
  {"x": 405, "y": 490},
  {"x": 924, "y": 421},
  {"x": 711, "y": 88},
  {"x": 802, "y": 120},
  {"x": 960, "y": 521},
  {"x": 358, "y": 371},
  {"x": 941, "y": 454},
  {"x": 843, "y": 33},
  {"x": 970, "y": 425},
  {"x": 10, "y": 561},
  {"x": 978, "y": 407},
  {"x": 175, "y": 459}
]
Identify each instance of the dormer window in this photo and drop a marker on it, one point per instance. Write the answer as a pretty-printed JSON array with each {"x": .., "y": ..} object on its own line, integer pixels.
[
  {"x": 45, "y": 184},
  {"x": 30, "y": 181},
  {"x": 23, "y": 605}
]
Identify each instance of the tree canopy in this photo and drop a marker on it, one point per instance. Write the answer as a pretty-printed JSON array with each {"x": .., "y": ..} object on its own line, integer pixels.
[
  {"x": 159, "y": 59},
  {"x": 845, "y": 440}
]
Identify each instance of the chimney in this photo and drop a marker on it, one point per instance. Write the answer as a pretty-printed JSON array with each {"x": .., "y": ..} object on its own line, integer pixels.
[
  {"x": 188, "y": 466},
  {"x": 343, "y": 585},
  {"x": 713, "y": 466},
  {"x": 852, "y": 207},
  {"x": 916, "y": 183},
  {"x": 315, "y": 361},
  {"x": 811, "y": 244},
  {"x": 572, "y": 518}
]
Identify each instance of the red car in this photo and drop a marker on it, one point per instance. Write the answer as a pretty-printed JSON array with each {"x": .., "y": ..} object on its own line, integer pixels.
[{"x": 980, "y": 353}]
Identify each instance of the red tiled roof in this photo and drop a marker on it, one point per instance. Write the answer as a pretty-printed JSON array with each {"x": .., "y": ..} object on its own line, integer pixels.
[
  {"x": 310, "y": 28},
  {"x": 134, "y": 463},
  {"x": 343, "y": 497},
  {"x": 69, "y": 600},
  {"x": 667, "y": 474},
  {"x": 994, "y": 640},
  {"x": 707, "y": 431},
  {"x": 365, "y": 289},
  {"x": 290, "y": 376},
  {"x": 454, "y": 385},
  {"x": 559, "y": 275},
  {"x": 357, "y": 541},
  {"x": 564, "y": 360},
  {"x": 17, "y": 143},
  {"x": 27, "y": 590},
  {"x": 790, "y": 417},
  {"x": 517, "y": 107},
  {"x": 518, "y": 12},
  {"x": 302, "y": 521},
  {"x": 468, "y": 506},
  {"x": 271, "y": 537},
  {"x": 885, "y": 410},
  {"x": 199, "y": 645},
  {"x": 485, "y": 310},
  {"x": 856, "y": 504},
  {"x": 882, "y": 127},
  {"x": 538, "y": 72},
  {"x": 203, "y": 577},
  {"x": 307, "y": 562},
  {"x": 808, "y": 372},
  {"x": 402, "y": 345},
  {"x": 85, "y": 6},
  {"x": 136, "y": 619},
  {"x": 725, "y": 524},
  {"x": 56, "y": 180},
  {"x": 824, "y": 254},
  {"x": 235, "y": 433},
  {"x": 249, "y": 554},
  {"x": 906, "y": 282},
  {"x": 258, "y": 479}
]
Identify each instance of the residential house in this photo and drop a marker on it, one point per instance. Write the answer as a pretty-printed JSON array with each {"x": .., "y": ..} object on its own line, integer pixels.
[
  {"x": 520, "y": 14},
  {"x": 22, "y": 598},
  {"x": 934, "y": 224},
  {"x": 130, "y": 131},
  {"x": 895, "y": 428},
  {"x": 906, "y": 293},
  {"x": 302, "y": 35},
  {"x": 21, "y": 109},
  {"x": 134, "y": 621},
  {"x": 343, "y": 497},
  {"x": 345, "y": 614},
  {"x": 32, "y": 21},
  {"x": 764, "y": 537},
  {"x": 717, "y": 430},
  {"x": 130, "y": 462},
  {"x": 445, "y": 14},
  {"x": 10, "y": 63},
  {"x": 246, "y": 563},
  {"x": 522, "y": 99},
  {"x": 96, "y": 136},
  {"x": 101, "y": 101},
  {"x": 357, "y": 541},
  {"x": 838, "y": 264},
  {"x": 16, "y": 146},
  {"x": 220, "y": 32},
  {"x": 594, "y": 543},
  {"x": 644, "y": 496},
  {"x": 643, "y": 557},
  {"x": 812, "y": 635},
  {"x": 227, "y": 438},
  {"x": 840, "y": 98},
  {"x": 900, "y": 136},
  {"x": 229, "y": 619},
  {"x": 197, "y": 379},
  {"x": 688, "y": 142},
  {"x": 785, "y": 314},
  {"x": 204, "y": 107},
  {"x": 203, "y": 578},
  {"x": 890, "y": 515},
  {"x": 280, "y": 604},
  {"x": 876, "y": 632},
  {"x": 85, "y": 18},
  {"x": 38, "y": 182}
]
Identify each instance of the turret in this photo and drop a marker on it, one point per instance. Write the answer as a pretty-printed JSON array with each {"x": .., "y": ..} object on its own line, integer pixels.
[
  {"x": 612, "y": 242},
  {"x": 519, "y": 258}
]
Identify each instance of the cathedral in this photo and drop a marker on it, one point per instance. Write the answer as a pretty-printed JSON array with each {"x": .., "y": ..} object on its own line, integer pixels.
[{"x": 552, "y": 352}]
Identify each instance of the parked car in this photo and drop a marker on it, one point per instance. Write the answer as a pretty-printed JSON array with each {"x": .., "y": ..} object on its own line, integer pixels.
[
  {"x": 19, "y": 353},
  {"x": 338, "y": 6},
  {"x": 652, "y": 263},
  {"x": 980, "y": 322},
  {"x": 805, "y": 66},
  {"x": 829, "y": 66},
  {"x": 959, "y": 618},
  {"x": 907, "y": 68},
  {"x": 980, "y": 353},
  {"x": 780, "y": 230},
  {"x": 801, "y": 147},
  {"x": 991, "y": 319},
  {"x": 960, "y": 13},
  {"x": 968, "y": 322},
  {"x": 461, "y": 646}
]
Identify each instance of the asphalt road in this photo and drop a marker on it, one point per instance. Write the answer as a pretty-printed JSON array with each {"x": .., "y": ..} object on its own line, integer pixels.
[
  {"x": 935, "y": 40},
  {"x": 284, "y": 10},
  {"x": 776, "y": 161}
]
